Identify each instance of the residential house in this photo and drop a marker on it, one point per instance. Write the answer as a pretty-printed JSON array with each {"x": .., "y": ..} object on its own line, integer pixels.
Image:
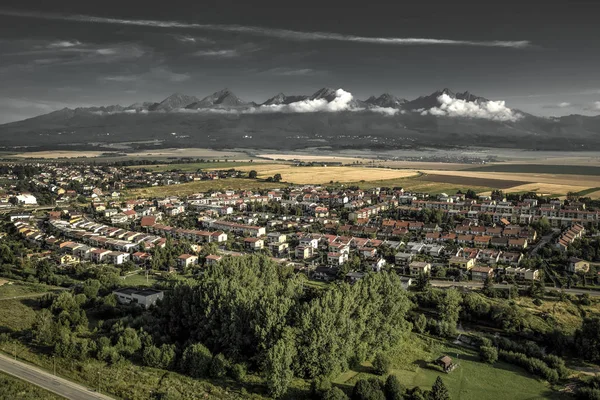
[
  {"x": 578, "y": 265},
  {"x": 187, "y": 260},
  {"x": 419, "y": 267},
  {"x": 253, "y": 243},
  {"x": 481, "y": 273}
]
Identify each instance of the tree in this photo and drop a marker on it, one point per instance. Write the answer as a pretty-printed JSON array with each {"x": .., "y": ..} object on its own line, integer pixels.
[
  {"x": 587, "y": 339},
  {"x": 277, "y": 178},
  {"x": 449, "y": 307},
  {"x": 394, "y": 390},
  {"x": 43, "y": 327},
  {"x": 420, "y": 323},
  {"x": 252, "y": 174},
  {"x": 196, "y": 360},
  {"x": 278, "y": 365},
  {"x": 218, "y": 366},
  {"x": 488, "y": 354},
  {"x": 238, "y": 372},
  {"x": 382, "y": 364},
  {"x": 91, "y": 288},
  {"x": 368, "y": 389},
  {"x": 335, "y": 394},
  {"x": 439, "y": 391},
  {"x": 422, "y": 282}
]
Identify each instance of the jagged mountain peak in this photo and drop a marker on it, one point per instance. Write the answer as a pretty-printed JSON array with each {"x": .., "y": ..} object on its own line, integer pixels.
[
  {"x": 325, "y": 93},
  {"x": 174, "y": 101},
  {"x": 386, "y": 100},
  {"x": 224, "y": 98}
]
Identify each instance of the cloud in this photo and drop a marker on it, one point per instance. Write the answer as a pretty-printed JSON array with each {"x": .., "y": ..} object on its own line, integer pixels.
[
  {"x": 492, "y": 110},
  {"x": 229, "y": 53},
  {"x": 284, "y": 34},
  {"x": 154, "y": 74},
  {"x": 560, "y": 105},
  {"x": 192, "y": 39},
  {"x": 596, "y": 105},
  {"x": 62, "y": 44},
  {"x": 292, "y": 72},
  {"x": 343, "y": 101}
]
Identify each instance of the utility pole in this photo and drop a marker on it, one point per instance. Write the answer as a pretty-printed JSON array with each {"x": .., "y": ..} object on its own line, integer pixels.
[
  {"x": 54, "y": 364},
  {"x": 15, "y": 350},
  {"x": 98, "y": 381}
]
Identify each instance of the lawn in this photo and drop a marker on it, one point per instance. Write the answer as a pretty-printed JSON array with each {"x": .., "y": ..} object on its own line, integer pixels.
[
  {"x": 21, "y": 289},
  {"x": 16, "y": 315},
  {"x": 417, "y": 184},
  {"x": 14, "y": 388},
  {"x": 472, "y": 380},
  {"x": 185, "y": 189},
  {"x": 139, "y": 279}
]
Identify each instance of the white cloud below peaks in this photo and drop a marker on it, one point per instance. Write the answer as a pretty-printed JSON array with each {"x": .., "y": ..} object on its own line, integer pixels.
[{"x": 492, "y": 110}]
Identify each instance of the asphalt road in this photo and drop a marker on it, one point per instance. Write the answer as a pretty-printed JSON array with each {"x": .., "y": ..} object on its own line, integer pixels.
[{"x": 43, "y": 379}]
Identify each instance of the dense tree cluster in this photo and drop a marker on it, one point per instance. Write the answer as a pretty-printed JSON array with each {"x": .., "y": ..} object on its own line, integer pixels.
[{"x": 256, "y": 312}]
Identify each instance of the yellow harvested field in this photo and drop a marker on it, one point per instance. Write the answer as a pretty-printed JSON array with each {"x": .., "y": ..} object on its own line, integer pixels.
[{"x": 320, "y": 175}]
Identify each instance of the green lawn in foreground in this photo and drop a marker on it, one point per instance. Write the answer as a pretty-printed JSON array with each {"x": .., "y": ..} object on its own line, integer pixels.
[
  {"x": 139, "y": 279},
  {"x": 13, "y": 388},
  {"x": 17, "y": 289},
  {"x": 472, "y": 380}
]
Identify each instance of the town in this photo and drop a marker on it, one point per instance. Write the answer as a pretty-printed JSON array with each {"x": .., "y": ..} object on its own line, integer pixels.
[
  {"x": 77, "y": 214},
  {"x": 110, "y": 264}
]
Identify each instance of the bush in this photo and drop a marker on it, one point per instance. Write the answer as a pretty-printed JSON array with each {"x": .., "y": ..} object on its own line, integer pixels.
[
  {"x": 537, "y": 301},
  {"x": 218, "y": 366},
  {"x": 586, "y": 393},
  {"x": 488, "y": 354},
  {"x": 420, "y": 323},
  {"x": 533, "y": 365},
  {"x": 382, "y": 364},
  {"x": 368, "y": 389},
  {"x": 335, "y": 394},
  {"x": 196, "y": 360},
  {"x": 238, "y": 372},
  {"x": 319, "y": 386}
]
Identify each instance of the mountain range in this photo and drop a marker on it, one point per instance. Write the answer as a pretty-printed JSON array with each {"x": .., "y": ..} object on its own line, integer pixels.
[{"x": 328, "y": 117}]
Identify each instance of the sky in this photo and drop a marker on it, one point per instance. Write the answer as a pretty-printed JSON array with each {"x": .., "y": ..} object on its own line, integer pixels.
[{"x": 540, "y": 57}]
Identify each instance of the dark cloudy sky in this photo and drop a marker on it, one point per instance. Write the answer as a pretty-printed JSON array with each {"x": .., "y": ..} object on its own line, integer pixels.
[{"x": 542, "y": 57}]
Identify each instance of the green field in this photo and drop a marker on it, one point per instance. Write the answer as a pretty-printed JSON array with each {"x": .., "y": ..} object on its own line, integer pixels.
[
  {"x": 471, "y": 380},
  {"x": 185, "y": 189},
  {"x": 21, "y": 289},
  {"x": 13, "y": 388},
  {"x": 139, "y": 279},
  {"x": 419, "y": 184},
  {"x": 193, "y": 167},
  {"x": 540, "y": 169}
]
